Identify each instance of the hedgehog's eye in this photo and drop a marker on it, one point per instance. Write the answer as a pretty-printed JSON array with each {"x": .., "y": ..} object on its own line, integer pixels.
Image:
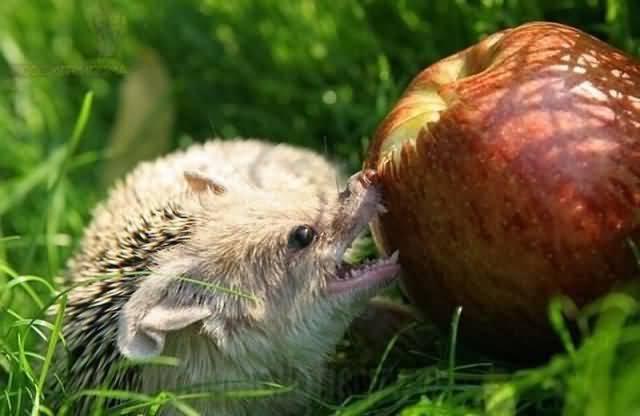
[{"x": 301, "y": 236}]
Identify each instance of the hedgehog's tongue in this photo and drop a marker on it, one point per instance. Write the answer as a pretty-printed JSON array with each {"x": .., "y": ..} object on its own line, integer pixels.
[{"x": 368, "y": 275}]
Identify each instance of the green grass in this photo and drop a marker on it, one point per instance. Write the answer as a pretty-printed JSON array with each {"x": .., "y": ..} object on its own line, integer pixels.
[{"x": 84, "y": 82}]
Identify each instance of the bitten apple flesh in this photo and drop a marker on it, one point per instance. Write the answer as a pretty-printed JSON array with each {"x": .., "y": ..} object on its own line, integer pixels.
[{"x": 512, "y": 174}]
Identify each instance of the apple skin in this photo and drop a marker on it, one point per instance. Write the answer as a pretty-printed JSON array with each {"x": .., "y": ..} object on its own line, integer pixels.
[{"x": 511, "y": 174}]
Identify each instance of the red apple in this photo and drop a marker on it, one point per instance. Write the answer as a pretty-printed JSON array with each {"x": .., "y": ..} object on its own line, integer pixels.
[{"x": 511, "y": 173}]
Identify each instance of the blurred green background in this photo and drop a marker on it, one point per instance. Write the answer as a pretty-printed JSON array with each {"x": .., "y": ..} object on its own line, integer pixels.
[{"x": 164, "y": 74}]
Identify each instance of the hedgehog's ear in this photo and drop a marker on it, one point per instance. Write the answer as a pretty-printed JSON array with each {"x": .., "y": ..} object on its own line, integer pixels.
[
  {"x": 149, "y": 315},
  {"x": 199, "y": 181}
]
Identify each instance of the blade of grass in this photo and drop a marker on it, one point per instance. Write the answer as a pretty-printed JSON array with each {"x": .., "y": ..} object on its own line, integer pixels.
[
  {"x": 616, "y": 309},
  {"x": 556, "y": 308},
  {"x": 51, "y": 348},
  {"x": 72, "y": 144},
  {"x": 385, "y": 354},
  {"x": 455, "y": 322}
]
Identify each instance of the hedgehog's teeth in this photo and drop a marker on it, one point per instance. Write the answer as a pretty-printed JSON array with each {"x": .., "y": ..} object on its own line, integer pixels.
[
  {"x": 370, "y": 273},
  {"x": 394, "y": 257}
]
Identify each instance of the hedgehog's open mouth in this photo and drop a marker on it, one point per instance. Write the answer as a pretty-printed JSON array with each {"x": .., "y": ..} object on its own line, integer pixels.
[{"x": 371, "y": 274}]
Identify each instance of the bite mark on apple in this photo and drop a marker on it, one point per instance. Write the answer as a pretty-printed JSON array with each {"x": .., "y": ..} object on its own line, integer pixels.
[
  {"x": 417, "y": 110},
  {"x": 431, "y": 93}
]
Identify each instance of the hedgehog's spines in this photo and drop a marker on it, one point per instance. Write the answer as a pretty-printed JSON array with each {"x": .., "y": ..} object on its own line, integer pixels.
[{"x": 107, "y": 277}]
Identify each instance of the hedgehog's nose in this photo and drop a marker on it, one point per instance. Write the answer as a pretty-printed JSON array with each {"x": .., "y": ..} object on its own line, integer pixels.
[
  {"x": 369, "y": 177},
  {"x": 359, "y": 182}
]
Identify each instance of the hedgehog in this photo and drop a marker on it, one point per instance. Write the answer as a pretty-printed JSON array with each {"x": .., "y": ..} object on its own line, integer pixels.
[{"x": 228, "y": 256}]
